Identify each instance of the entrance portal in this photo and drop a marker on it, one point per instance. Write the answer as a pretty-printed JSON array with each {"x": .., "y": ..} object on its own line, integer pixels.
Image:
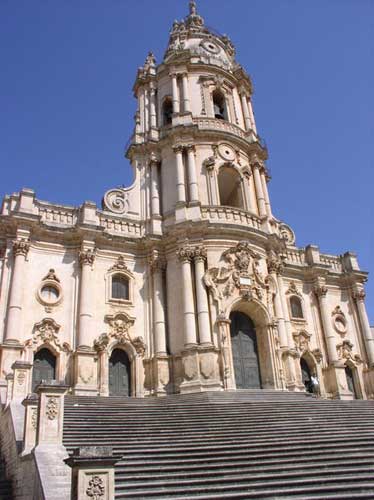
[
  {"x": 44, "y": 367},
  {"x": 119, "y": 374},
  {"x": 351, "y": 381},
  {"x": 306, "y": 375},
  {"x": 244, "y": 352}
]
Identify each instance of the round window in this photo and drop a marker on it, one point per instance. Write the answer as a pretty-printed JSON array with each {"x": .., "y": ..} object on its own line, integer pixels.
[
  {"x": 210, "y": 47},
  {"x": 49, "y": 294},
  {"x": 340, "y": 324}
]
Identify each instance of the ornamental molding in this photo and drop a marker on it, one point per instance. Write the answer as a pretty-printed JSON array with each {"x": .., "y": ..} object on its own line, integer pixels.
[
  {"x": 339, "y": 321},
  {"x": 51, "y": 276},
  {"x": 241, "y": 274},
  {"x": 359, "y": 295},
  {"x": 275, "y": 264},
  {"x": 52, "y": 408},
  {"x": 46, "y": 332},
  {"x": 119, "y": 325},
  {"x": 116, "y": 200},
  {"x": 293, "y": 290},
  {"x": 87, "y": 257},
  {"x": 302, "y": 340},
  {"x": 120, "y": 265},
  {"x": 345, "y": 352},
  {"x": 21, "y": 247},
  {"x": 209, "y": 163},
  {"x": 96, "y": 488},
  {"x": 157, "y": 262},
  {"x": 321, "y": 291},
  {"x": 286, "y": 234}
]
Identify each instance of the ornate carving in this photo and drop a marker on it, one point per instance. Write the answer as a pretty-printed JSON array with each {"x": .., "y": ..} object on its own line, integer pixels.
[
  {"x": 157, "y": 262},
  {"x": 120, "y": 265},
  {"x": 345, "y": 352},
  {"x": 139, "y": 345},
  {"x": 96, "y": 489},
  {"x": 287, "y": 234},
  {"x": 317, "y": 353},
  {"x": 52, "y": 408},
  {"x": 120, "y": 324},
  {"x": 199, "y": 253},
  {"x": 339, "y": 321},
  {"x": 302, "y": 339},
  {"x": 359, "y": 295},
  {"x": 21, "y": 247},
  {"x": 46, "y": 332},
  {"x": 292, "y": 289},
  {"x": 275, "y": 264},
  {"x": 34, "y": 417},
  {"x": 320, "y": 290},
  {"x": 21, "y": 377},
  {"x": 242, "y": 272},
  {"x": 178, "y": 148},
  {"x": 51, "y": 276},
  {"x": 209, "y": 163},
  {"x": 87, "y": 257},
  {"x": 185, "y": 254},
  {"x": 116, "y": 200}
]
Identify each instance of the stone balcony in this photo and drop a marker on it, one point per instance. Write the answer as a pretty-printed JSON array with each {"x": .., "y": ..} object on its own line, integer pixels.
[{"x": 230, "y": 215}]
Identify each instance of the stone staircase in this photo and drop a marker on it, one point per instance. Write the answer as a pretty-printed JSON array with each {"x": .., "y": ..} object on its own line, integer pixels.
[
  {"x": 5, "y": 484},
  {"x": 230, "y": 445}
]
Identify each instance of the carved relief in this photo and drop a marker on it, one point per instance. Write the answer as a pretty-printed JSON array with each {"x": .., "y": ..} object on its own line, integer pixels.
[
  {"x": 301, "y": 339},
  {"x": 34, "y": 418},
  {"x": 120, "y": 265},
  {"x": 96, "y": 489},
  {"x": 116, "y": 200},
  {"x": 287, "y": 234},
  {"x": 87, "y": 257},
  {"x": 243, "y": 273},
  {"x": 46, "y": 332},
  {"x": 21, "y": 247},
  {"x": 293, "y": 290},
  {"x": 21, "y": 377},
  {"x": 85, "y": 373},
  {"x": 207, "y": 365},
  {"x": 339, "y": 321},
  {"x": 120, "y": 324},
  {"x": 345, "y": 352},
  {"x": 52, "y": 408},
  {"x": 190, "y": 368}
]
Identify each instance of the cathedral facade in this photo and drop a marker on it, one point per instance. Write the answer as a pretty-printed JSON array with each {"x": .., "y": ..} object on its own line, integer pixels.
[{"x": 185, "y": 281}]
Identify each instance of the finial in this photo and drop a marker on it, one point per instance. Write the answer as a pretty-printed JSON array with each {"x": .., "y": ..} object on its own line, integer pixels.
[{"x": 193, "y": 8}]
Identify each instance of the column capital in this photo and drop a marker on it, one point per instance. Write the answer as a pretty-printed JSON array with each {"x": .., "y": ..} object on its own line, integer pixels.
[
  {"x": 256, "y": 162},
  {"x": 275, "y": 265},
  {"x": 178, "y": 148},
  {"x": 190, "y": 148},
  {"x": 21, "y": 247},
  {"x": 199, "y": 253},
  {"x": 359, "y": 295},
  {"x": 185, "y": 254},
  {"x": 87, "y": 257},
  {"x": 321, "y": 290}
]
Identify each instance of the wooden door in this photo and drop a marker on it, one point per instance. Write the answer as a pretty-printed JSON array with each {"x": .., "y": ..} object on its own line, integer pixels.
[
  {"x": 119, "y": 374},
  {"x": 244, "y": 352},
  {"x": 306, "y": 375},
  {"x": 351, "y": 381},
  {"x": 44, "y": 367}
]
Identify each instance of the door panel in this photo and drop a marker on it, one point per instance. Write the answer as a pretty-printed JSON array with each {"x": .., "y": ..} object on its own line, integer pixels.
[
  {"x": 119, "y": 374},
  {"x": 44, "y": 367},
  {"x": 244, "y": 352}
]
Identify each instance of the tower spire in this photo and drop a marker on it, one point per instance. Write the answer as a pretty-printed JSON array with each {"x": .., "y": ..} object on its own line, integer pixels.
[{"x": 193, "y": 8}]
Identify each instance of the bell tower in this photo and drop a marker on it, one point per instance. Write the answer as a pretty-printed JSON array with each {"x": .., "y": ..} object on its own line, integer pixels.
[{"x": 195, "y": 132}]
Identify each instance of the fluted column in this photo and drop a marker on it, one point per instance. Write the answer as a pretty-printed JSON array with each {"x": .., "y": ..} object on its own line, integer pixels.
[
  {"x": 14, "y": 319},
  {"x": 181, "y": 188},
  {"x": 155, "y": 198},
  {"x": 259, "y": 190},
  {"x": 359, "y": 296},
  {"x": 186, "y": 94},
  {"x": 86, "y": 259},
  {"x": 153, "y": 108},
  {"x": 321, "y": 292},
  {"x": 158, "y": 266},
  {"x": 247, "y": 118},
  {"x": 176, "y": 103},
  {"x": 192, "y": 176},
  {"x": 202, "y": 297},
  {"x": 252, "y": 117},
  {"x": 189, "y": 326}
]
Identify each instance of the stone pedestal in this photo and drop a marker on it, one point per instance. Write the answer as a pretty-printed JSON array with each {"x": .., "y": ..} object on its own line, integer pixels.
[
  {"x": 337, "y": 381},
  {"x": 92, "y": 473},
  {"x": 9, "y": 388},
  {"x": 200, "y": 370},
  {"x": 30, "y": 423},
  {"x": 85, "y": 372},
  {"x": 22, "y": 371},
  {"x": 162, "y": 374},
  {"x": 50, "y": 413},
  {"x": 10, "y": 352}
]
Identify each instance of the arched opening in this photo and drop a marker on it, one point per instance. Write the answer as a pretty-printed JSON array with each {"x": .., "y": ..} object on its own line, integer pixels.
[
  {"x": 296, "y": 307},
  {"x": 219, "y": 105},
  {"x": 351, "y": 383},
  {"x": 44, "y": 367},
  {"x": 120, "y": 287},
  {"x": 306, "y": 375},
  {"x": 229, "y": 185},
  {"x": 167, "y": 111},
  {"x": 119, "y": 374},
  {"x": 244, "y": 351}
]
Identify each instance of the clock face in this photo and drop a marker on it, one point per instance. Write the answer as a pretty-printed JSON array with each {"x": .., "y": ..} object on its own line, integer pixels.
[{"x": 210, "y": 47}]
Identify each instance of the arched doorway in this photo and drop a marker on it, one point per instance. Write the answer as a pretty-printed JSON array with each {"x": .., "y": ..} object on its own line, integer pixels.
[
  {"x": 244, "y": 351},
  {"x": 44, "y": 367},
  {"x": 306, "y": 375},
  {"x": 351, "y": 381},
  {"x": 119, "y": 374}
]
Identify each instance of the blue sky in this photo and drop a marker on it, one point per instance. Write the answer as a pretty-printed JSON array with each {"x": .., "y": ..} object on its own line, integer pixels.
[{"x": 67, "y": 70}]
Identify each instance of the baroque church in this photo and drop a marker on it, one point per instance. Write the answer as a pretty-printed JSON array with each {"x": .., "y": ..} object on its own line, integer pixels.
[{"x": 184, "y": 281}]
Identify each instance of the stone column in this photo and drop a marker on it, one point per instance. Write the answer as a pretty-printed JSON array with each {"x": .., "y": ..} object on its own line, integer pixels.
[
  {"x": 321, "y": 291},
  {"x": 13, "y": 330},
  {"x": 247, "y": 118},
  {"x": 146, "y": 110},
  {"x": 275, "y": 267},
  {"x": 202, "y": 297},
  {"x": 86, "y": 259},
  {"x": 260, "y": 194},
  {"x": 153, "y": 108},
  {"x": 192, "y": 176},
  {"x": 158, "y": 265},
  {"x": 186, "y": 94},
  {"x": 266, "y": 193},
  {"x": 359, "y": 296},
  {"x": 189, "y": 326},
  {"x": 155, "y": 199},
  {"x": 174, "y": 83},
  {"x": 252, "y": 117},
  {"x": 92, "y": 472},
  {"x": 181, "y": 188},
  {"x": 30, "y": 423}
]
